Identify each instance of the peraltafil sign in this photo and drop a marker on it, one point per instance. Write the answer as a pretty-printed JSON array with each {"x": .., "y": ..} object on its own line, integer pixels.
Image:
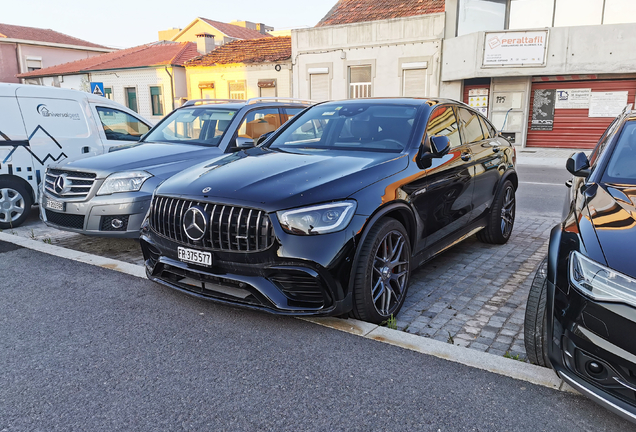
[{"x": 526, "y": 48}]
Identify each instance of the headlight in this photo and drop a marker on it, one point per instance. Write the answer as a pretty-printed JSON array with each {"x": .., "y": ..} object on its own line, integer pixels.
[
  {"x": 599, "y": 282},
  {"x": 320, "y": 219},
  {"x": 128, "y": 181}
]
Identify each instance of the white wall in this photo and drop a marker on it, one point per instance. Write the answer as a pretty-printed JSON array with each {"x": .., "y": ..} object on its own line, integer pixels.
[{"x": 385, "y": 45}]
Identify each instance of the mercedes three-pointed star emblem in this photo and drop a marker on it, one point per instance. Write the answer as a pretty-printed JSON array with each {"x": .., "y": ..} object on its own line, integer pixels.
[
  {"x": 195, "y": 223},
  {"x": 61, "y": 185}
]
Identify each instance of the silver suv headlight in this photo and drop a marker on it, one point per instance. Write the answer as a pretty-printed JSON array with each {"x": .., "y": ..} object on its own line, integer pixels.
[
  {"x": 320, "y": 219},
  {"x": 127, "y": 181},
  {"x": 599, "y": 282}
]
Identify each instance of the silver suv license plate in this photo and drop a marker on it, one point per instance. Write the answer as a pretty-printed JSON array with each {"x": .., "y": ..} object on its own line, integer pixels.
[
  {"x": 194, "y": 256},
  {"x": 54, "y": 205}
]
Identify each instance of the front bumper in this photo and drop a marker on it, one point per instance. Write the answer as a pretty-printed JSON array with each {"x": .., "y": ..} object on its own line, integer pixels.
[
  {"x": 585, "y": 333},
  {"x": 95, "y": 216},
  {"x": 307, "y": 276}
]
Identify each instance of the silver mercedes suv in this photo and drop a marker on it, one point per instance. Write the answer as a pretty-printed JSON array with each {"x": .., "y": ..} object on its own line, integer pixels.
[{"x": 109, "y": 194}]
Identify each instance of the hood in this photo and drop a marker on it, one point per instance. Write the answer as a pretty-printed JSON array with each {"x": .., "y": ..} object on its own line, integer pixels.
[
  {"x": 159, "y": 159},
  {"x": 274, "y": 180},
  {"x": 613, "y": 214}
]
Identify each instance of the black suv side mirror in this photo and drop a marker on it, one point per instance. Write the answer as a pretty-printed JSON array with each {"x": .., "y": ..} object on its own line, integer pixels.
[
  {"x": 578, "y": 165},
  {"x": 244, "y": 143},
  {"x": 264, "y": 137},
  {"x": 440, "y": 145}
]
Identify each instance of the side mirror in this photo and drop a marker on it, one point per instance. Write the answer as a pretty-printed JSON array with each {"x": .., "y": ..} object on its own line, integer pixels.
[
  {"x": 440, "y": 145},
  {"x": 578, "y": 165},
  {"x": 244, "y": 143},
  {"x": 263, "y": 137}
]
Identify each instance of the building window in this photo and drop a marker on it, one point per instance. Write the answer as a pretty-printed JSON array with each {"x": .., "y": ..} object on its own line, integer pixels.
[
  {"x": 359, "y": 81},
  {"x": 207, "y": 90},
  {"x": 530, "y": 14},
  {"x": 156, "y": 100},
  {"x": 237, "y": 90},
  {"x": 319, "y": 84},
  {"x": 481, "y": 15},
  {"x": 131, "y": 98},
  {"x": 414, "y": 79},
  {"x": 267, "y": 87},
  {"x": 108, "y": 92},
  {"x": 576, "y": 12},
  {"x": 33, "y": 64}
]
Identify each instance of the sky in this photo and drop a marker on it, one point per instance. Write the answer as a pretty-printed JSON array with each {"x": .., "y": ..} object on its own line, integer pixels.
[{"x": 126, "y": 23}]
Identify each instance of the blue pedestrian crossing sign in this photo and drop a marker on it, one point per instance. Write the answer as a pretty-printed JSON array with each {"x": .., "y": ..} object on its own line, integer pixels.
[{"x": 97, "y": 88}]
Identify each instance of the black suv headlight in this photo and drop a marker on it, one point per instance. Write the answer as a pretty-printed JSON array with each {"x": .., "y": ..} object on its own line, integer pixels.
[
  {"x": 319, "y": 219},
  {"x": 599, "y": 282}
]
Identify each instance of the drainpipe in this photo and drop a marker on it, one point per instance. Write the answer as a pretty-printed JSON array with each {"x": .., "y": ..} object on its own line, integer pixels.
[{"x": 171, "y": 87}]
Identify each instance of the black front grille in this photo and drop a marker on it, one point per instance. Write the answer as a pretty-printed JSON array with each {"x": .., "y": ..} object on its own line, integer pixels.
[
  {"x": 230, "y": 228},
  {"x": 78, "y": 184},
  {"x": 65, "y": 220},
  {"x": 107, "y": 223}
]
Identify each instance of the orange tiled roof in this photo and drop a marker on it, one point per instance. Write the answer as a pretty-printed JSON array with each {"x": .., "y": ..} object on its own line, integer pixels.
[
  {"x": 42, "y": 35},
  {"x": 269, "y": 49},
  {"x": 235, "y": 31},
  {"x": 155, "y": 54},
  {"x": 353, "y": 11}
]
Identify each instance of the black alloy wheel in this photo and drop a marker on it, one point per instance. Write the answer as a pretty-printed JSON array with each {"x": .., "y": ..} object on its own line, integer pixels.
[
  {"x": 383, "y": 270},
  {"x": 501, "y": 219}
]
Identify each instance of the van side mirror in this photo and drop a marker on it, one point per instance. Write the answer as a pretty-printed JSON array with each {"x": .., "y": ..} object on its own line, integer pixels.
[
  {"x": 578, "y": 165},
  {"x": 244, "y": 143},
  {"x": 440, "y": 145},
  {"x": 263, "y": 137}
]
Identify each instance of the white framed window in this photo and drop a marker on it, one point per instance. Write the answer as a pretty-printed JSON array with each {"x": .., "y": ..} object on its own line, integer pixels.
[
  {"x": 237, "y": 90},
  {"x": 360, "y": 81}
]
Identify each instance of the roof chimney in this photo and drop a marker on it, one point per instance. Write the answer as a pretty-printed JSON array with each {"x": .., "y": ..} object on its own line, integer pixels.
[{"x": 205, "y": 43}]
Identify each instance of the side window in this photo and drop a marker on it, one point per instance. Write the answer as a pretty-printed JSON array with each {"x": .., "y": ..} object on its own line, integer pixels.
[
  {"x": 120, "y": 126},
  {"x": 489, "y": 131},
  {"x": 469, "y": 122},
  {"x": 442, "y": 122},
  {"x": 290, "y": 112},
  {"x": 259, "y": 122},
  {"x": 602, "y": 142},
  {"x": 309, "y": 132}
]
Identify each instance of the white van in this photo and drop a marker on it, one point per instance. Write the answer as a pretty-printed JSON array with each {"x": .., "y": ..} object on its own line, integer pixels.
[{"x": 39, "y": 125}]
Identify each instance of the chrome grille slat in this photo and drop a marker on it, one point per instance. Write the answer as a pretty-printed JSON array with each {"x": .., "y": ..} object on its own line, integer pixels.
[
  {"x": 226, "y": 231},
  {"x": 81, "y": 183}
]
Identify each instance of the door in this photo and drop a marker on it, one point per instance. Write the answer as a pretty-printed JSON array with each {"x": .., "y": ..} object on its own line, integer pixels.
[
  {"x": 485, "y": 157},
  {"x": 442, "y": 198},
  {"x": 118, "y": 127}
]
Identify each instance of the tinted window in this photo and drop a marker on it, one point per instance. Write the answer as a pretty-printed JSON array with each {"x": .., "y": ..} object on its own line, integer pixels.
[
  {"x": 602, "y": 142},
  {"x": 200, "y": 126},
  {"x": 351, "y": 127},
  {"x": 120, "y": 126},
  {"x": 290, "y": 112},
  {"x": 488, "y": 131},
  {"x": 469, "y": 122},
  {"x": 442, "y": 122},
  {"x": 622, "y": 164},
  {"x": 259, "y": 122}
]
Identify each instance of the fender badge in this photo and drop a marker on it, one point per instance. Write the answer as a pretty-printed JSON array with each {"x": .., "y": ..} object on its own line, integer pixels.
[{"x": 207, "y": 189}]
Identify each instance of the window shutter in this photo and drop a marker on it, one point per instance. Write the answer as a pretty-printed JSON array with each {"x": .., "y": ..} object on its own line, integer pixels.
[
  {"x": 268, "y": 91},
  {"x": 319, "y": 87},
  {"x": 414, "y": 83}
]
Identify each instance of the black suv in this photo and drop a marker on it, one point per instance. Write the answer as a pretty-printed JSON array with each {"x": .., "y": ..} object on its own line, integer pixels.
[
  {"x": 332, "y": 212},
  {"x": 581, "y": 311}
]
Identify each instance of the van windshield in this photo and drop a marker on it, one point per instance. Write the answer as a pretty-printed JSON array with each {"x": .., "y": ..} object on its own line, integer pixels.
[{"x": 198, "y": 125}]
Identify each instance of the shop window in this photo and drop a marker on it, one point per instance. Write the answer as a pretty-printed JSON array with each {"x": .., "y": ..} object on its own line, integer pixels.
[
  {"x": 359, "y": 81},
  {"x": 156, "y": 100}
]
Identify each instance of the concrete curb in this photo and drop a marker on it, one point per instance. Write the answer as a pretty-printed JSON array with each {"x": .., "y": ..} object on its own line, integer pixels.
[{"x": 477, "y": 359}]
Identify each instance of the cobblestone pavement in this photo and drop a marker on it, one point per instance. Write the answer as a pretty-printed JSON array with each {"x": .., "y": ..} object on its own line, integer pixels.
[{"x": 473, "y": 295}]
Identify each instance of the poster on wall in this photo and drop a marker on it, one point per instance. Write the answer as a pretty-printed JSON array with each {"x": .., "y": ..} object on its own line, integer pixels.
[
  {"x": 607, "y": 104},
  {"x": 515, "y": 48},
  {"x": 543, "y": 110},
  {"x": 478, "y": 99},
  {"x": 573, "y": 98}
]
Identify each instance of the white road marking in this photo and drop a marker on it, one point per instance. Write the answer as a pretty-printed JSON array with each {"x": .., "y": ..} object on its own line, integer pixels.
[{"x": 542, "y": 183}]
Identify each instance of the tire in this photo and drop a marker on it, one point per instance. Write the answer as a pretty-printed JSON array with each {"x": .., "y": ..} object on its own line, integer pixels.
[
  {"x": 535, "y": 323},
  {"x": 382, "y": 273},
  {"x": 15, "y": 203},
  {"x": 501, "y": 219}
]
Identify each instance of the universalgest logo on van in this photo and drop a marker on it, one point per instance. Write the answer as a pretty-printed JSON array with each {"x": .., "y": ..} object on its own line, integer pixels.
[{"x": 45, "y": 112}]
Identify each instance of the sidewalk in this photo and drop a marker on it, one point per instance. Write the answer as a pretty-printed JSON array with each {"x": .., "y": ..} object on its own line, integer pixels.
[{"x": 545, "y": 156}]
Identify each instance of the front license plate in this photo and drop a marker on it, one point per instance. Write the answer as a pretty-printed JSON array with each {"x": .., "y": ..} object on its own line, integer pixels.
[
  {"x": 54, "y": 205},
  {"x": 195, "y": 257}
]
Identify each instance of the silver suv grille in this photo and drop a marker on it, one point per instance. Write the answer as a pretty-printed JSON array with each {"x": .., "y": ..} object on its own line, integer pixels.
[
  {"x": 75, "y": 184},
  {"x": 230, "y": 228}
]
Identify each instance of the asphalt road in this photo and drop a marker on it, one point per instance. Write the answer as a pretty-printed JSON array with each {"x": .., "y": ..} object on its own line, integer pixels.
[
  {"x": 83, "y": 348},
  {"x": 542, "y": 190}
]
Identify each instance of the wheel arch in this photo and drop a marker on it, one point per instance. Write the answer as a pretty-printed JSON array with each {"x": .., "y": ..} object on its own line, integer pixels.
[
  {"x": 512, "y": 176},
  {"x": 10, "y": 177}
]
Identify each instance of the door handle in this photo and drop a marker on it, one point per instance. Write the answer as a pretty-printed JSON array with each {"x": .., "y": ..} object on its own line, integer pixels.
[{"x": 465, "y": 156}]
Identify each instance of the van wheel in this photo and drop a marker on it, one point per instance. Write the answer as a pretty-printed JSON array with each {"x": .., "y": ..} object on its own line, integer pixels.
[
  {"x": 382, "y": 273},
  {"x": 501, "y": 218},
  {"x": 15, "y": 203},
  {"x": 535, "y": 327}
]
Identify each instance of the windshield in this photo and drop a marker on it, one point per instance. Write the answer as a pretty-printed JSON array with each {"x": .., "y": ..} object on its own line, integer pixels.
[
  {"x": 621, "y": 165},
  {"x": 199, "y": 125},
  {"x": 365, "y": 127}
]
